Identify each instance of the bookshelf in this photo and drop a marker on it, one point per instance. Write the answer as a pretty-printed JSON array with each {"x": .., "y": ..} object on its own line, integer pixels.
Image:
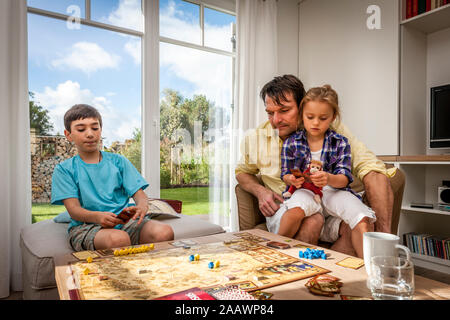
[
  {"x": 429, "y": 22},
  {"x": 424, "y": 174}
]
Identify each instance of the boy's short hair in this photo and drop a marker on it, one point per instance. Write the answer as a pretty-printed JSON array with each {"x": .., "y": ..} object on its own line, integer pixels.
[
  {"x": 79, "y": 112},
  {"x": 277, "y": 88}
]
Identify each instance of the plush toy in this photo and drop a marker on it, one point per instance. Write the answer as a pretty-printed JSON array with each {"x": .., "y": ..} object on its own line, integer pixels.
[{"x": 314, "y": 166}]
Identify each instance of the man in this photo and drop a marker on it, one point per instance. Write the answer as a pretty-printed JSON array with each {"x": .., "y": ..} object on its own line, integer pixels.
[{"x": 261, "y": 150}]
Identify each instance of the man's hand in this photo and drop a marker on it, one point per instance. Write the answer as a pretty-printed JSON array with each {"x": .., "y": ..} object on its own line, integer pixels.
[
  {"x": 267, "y": 202},
  {"x": 320, "y": 178},
  {"x": 107, "y": 219}
]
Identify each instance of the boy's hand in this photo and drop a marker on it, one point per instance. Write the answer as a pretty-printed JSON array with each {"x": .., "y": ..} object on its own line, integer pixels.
[
  {"x": 320, "y": 178},
  {"x": 136, "y": 212},
  {"x": 296, "y": 182},
  {"x": 108, "y": 219}
]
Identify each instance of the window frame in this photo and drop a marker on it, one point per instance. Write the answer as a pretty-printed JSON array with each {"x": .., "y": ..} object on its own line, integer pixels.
[{"x": 150, "y": 40}]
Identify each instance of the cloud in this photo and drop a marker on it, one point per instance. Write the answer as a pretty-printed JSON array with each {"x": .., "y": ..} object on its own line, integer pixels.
[
  {"x": 118, "y": 125},
  {"x": 87, "y": 57},
  {"x": 133, "y": 48},
  {"x": 127, "y": 15},
  {"x": 210, "y": 73}
]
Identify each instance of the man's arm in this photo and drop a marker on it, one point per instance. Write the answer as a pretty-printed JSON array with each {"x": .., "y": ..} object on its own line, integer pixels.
[
  {"x": 76, "y": 212},
  {"x": 372, "y": 172},
  {"x": 266, "y": 198}
]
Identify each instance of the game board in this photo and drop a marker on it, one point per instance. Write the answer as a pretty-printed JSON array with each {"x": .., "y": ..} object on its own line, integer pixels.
[{"x": 158, "y": 273}]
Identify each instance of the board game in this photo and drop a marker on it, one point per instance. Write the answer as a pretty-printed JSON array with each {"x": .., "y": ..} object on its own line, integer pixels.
[{"x": 157, "y": 273}]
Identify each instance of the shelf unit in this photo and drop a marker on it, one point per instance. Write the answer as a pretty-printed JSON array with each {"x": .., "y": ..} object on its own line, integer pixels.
[
  {"x": 424, "y": 63},
  {"x": 424, "y": 174}
]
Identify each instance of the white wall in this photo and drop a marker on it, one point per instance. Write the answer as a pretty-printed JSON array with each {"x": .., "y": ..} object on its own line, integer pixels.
[
  {"x": 287, "y": 23},
  {"x": 336, "y": 47}
]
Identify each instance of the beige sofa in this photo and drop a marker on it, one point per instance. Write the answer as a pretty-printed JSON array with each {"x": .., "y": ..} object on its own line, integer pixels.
[
  {"x": 250, "y": 217},
  {"x": 42, "y": 241}
]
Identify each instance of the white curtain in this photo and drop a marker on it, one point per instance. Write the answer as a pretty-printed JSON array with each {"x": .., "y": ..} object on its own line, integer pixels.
[
  {"x": 15, "y": 167},
  {"x": 257, "y": 63}
]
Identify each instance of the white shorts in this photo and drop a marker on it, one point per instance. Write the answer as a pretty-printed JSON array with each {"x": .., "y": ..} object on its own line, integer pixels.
[
  {"x": 337, "y": 206},
  {"x": 302, "y": 198}
]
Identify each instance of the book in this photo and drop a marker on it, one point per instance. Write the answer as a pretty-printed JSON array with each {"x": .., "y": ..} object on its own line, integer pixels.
[
  {"x": 409, "y": 8},
  {"x": 428, "y": 7},
  {"x": 190, "y": 294},
  {"x": 422, "y": 5},
  {"x": 415, "y": 8}
]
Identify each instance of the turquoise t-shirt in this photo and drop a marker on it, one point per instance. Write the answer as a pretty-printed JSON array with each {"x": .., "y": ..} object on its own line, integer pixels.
[{"x": 104, "y": 186}]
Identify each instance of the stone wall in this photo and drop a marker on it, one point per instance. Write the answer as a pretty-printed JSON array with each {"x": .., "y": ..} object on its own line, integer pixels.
[{"x": 46, "y": 153}]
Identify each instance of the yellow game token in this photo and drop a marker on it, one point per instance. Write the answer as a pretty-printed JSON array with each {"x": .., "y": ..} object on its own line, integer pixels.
[
  {"x": 151, "y": 246},
  {"x": 89, "y": 259},
  {"x": 86, "y": 271},
  {"x": 197, "y": 257},
  {"x": 116, "y": 252},
  {"x": 216, "y": 264}
]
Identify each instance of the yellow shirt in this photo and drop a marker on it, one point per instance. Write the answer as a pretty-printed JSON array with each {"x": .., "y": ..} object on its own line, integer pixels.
[{"x": 261, "y": 150}]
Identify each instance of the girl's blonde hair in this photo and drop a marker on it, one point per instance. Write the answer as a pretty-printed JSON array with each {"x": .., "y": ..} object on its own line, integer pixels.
[{"x": 323, "y": 94}]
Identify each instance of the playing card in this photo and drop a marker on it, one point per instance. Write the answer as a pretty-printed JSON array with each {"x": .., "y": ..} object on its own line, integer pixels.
[
  {"x": 83, "y": 255},
  {"x": 350, "y": 262}
]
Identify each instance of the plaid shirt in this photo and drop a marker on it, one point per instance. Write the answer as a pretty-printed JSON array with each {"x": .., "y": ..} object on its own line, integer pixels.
[{"x": 335, "y": 157}]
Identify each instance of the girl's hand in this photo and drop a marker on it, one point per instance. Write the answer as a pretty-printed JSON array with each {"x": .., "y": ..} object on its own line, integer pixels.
[
  {"x": 296, "y": 182},
  {"x": 320, "y": 178}
]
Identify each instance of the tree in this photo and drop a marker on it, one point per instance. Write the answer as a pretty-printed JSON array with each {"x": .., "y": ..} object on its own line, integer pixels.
[
  {"x": 133, "y": 150},
  {"x": 39, "y": 118}
]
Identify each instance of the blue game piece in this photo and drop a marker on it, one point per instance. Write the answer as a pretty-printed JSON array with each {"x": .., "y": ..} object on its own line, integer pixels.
[
  {"x": 211, "y": 265},
  {"x": 324, "y": 256},
  {"x": 300, "y": 254},
  {"x": 191, "y": 257}
]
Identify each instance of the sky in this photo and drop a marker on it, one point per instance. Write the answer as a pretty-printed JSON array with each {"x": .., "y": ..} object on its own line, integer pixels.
[{"x": 70, "y": 65}]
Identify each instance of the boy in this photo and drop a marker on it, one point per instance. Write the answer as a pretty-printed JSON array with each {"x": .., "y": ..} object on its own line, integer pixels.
[{"x": 95, "y": 186}]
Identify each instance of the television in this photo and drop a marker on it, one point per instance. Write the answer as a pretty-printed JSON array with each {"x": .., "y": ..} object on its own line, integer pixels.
[{"x": 440, "y": 117}]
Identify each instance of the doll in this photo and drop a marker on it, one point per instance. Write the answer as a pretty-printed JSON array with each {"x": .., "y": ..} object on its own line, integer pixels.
[{"x": 313, "y": 167}]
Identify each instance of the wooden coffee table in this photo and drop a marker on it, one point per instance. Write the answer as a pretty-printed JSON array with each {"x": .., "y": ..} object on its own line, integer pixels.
[{"x": 354, "y": 280}]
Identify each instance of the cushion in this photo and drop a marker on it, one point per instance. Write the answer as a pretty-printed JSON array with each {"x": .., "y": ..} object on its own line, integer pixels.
[{"x": 44, "y": 240}]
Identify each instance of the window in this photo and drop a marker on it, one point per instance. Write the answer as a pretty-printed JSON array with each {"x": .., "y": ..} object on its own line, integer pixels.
[
  {"x": 82, "y": 52},
  {"x": 196, "y": 99}
]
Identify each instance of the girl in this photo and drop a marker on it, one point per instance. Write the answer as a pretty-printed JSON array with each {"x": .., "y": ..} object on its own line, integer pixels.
[{"x": 316, "y": 141}]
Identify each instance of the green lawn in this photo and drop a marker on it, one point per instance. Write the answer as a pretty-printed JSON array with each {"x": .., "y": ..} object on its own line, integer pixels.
[{"x": 195, "y": 201}]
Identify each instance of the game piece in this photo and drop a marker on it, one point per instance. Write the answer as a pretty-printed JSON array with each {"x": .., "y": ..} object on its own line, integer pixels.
[
  {"x": 261, "y": 295},
  {"x": 89, "y": 259},
  {"x": 312, "y": 254},
  {"x": 230, "y": 277},
  {"x": 350, "y": 262},
  {"x": 86, "y": 271},
  {"x": 197, "y": 257},
  {"x": 216, "y": 264},
  {"x": 211, "y": 265},
  {"x": 191, "y": 258},
  {"x": 324, "y": 285},
  {"x": 116, "y": 252},
  {"x": 151, "y": 246},
  {"x": 277, "y": 245}
]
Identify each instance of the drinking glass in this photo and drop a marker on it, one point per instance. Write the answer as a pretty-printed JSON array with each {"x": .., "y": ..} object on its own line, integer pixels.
[{"x": 391, "y": 278}]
